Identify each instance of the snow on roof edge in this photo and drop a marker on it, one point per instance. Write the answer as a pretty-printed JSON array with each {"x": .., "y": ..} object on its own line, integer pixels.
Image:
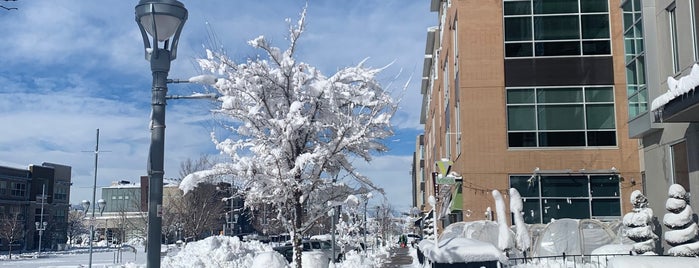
[{"x": 676, "y": 88}]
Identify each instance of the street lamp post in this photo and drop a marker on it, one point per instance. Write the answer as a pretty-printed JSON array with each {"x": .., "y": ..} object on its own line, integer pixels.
[
  {"x": 162, "y": 20},
  {"x": 86, "y": 206},
  {"x": 41, "y": 224}
]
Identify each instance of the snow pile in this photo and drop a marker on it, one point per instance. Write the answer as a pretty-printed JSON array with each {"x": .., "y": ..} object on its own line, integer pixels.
[
  {"x": 220, "y": 251},
  {"x": 461, "y": 250},
  {"x": 522, "y": 237},
  {"x": 677, "y": 87},
  {"x": 682, "y": 233},
  {"x": 639, "y": 226},
  {"x": 505, "y": 241},
  {"x": 268, "y": 259}
]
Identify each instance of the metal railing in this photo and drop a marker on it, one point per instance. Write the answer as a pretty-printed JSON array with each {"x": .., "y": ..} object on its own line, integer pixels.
[{"x": 587, "y": 261}]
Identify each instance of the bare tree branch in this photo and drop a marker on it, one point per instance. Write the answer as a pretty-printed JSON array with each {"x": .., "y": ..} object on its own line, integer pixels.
[{"x": 8, "y": 8}]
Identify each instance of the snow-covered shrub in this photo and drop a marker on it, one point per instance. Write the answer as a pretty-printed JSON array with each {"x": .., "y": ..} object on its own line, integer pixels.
[
  {"x": 639, "y": 224},
  {"x": 682, "y": 233}
]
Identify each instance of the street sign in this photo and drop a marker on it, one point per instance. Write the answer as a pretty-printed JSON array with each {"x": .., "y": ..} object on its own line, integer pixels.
[{"x": 448, "y": 179}]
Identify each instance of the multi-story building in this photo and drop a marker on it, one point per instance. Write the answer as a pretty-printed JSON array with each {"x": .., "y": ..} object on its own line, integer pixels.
[
  {"x": 30, "y": 197},
  {"x": 531, "y": 95},
  {"x": 661, "y": 41}
]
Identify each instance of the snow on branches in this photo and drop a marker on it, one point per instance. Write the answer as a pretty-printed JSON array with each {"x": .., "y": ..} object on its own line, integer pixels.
[
  {"x": 290, "y": 127},
  {"x": 639, "y": 224}
]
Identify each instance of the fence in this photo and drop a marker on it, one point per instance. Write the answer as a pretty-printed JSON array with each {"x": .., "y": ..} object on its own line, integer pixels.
[{"x": 586, "y": 261}]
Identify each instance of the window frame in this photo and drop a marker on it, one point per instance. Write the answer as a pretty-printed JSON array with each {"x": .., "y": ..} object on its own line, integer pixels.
[{"x": 674, "y": 44}]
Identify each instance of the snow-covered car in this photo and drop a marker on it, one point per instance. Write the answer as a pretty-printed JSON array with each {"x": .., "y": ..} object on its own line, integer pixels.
[{"x": 322, "y": 246}]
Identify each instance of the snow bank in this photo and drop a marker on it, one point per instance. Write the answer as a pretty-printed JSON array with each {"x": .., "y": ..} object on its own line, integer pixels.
[
  {"x": 219, "y": 251},
  {"x": 461, "y": 250}
]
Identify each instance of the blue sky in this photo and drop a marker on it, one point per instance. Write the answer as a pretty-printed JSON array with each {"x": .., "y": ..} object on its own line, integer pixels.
[{"x": 68, "y": 67}]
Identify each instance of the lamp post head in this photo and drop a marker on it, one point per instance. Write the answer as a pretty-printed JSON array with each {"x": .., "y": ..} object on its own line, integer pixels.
[
  {"x": 162, "y": 20},
  {"x": 86, "y": 205},
  {"x": 101, "y": 204}
]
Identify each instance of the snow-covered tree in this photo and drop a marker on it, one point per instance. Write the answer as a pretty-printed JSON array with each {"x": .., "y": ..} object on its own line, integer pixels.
[
  {"x": 639, "y": 224},
  {"x": 504, "y": 239},
  {"x": 291, "y": 128},
  {"x": 682, "y": 233}
]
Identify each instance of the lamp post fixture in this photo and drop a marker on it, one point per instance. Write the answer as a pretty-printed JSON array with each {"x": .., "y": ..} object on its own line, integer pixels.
[
  {"x": 86, "y": 207},
  {"x": 162, "y": 20},
  {"x": 41, "y": 224}
]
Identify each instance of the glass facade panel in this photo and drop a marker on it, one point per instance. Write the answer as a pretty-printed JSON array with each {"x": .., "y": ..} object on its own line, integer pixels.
[
  {"x": 604, "y": 186},
  {"x": 556, "y": 28},
  {"x": 596, "y": 48},
  {"x": 564, "y": 186},
  {"x": 589, "y": 6},
  {"x": 561, "y": 117},
  {"x": 518, "y": 29},
  {"x": 555, "y": 6},
  {"x": 521, "y": 118},
  {"x": 601, "y": 138},
  {"x": 599, "y": 94},
  {"x": 518, "y": 50},
  {"x": 525, "y": 95},
  {"x": 521, "y": 139},
  {"x": 562, "y": 139},
  {"x": 568, "y": 196},
  {"x": 600, "y": 116},
  {"x": 606, "y": 207},
  {"x": 565, "y": 208},
  {"x": 559, "y": 95},
  {"x": 557, "y": 49},
  {"x": 586, "y": 22},
  {"x": 527, "y": 186},
  {"x": 518, "y": 8},
  {"x": 595, "y": 26}
]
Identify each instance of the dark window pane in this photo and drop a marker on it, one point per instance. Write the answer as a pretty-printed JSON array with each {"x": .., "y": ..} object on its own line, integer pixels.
[
  {"x": 599, "y": 94},
  {"x": 596, "y": 48},
  {"x": 564, "y": 186},
  {"x": 556, "y": 27},
  {"x": 565, "y": 208},
  {"x": 559, "y": 95},
  {"x": 606, "y": 207},
  {"x": 600, "y": 116},
  {"x": 557, "y": 48},
  {"x": 594, "y": 6},
  {"x": 561, "y": 117},
  {"x": 555, "y": 139},
  {"x": 518, "y": 8},
  {"x": 521, "y": 139},
  {"x": 680, "y": 168},
  {"x": 527, "y": 186},
  {"x": 601, "y": 138},
  {"x": 521, "y": 118},
  {"x": 531, "y": 211},
  {"x": 518, "y": 29},
  {"x": 518, "y": 50},
  {"x": 595, "y": 26},
  {"x": 555, "y": 6},
  {"x": 516, "y": 96},
  {"x": 604, "y": 185}
]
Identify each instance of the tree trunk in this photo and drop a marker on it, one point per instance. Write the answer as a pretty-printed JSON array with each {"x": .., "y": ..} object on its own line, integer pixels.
[{"x": 298, "y": 221}]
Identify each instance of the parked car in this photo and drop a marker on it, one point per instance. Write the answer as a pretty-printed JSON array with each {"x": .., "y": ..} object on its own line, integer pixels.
[
  {"x": 287, "y": 251},
  {"x": 309, "y": 245}
]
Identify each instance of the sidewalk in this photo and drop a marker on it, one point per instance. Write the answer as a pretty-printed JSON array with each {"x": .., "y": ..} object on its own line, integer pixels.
[{"x": 399, "y": 257}]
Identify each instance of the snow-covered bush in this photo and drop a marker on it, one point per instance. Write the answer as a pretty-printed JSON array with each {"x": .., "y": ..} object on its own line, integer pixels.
[
  {"x": 638, "y": 222},
  {"x": 682, "y": 233},
  {"x": 522, "y": 238}
]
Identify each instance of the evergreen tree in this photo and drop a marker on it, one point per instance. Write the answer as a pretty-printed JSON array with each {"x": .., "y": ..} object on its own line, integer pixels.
[
  {"x": 639, "y": 224},
  {"x": 682, "y": 233}
]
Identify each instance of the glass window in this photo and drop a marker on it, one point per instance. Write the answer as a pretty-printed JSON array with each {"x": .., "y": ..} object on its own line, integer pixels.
[
  {"x": 518, "y": 50},
  {"x": 518, "y": 8},
  {"x": 561, "y": 117},
  {"x": 521, "y": 139},
  {"x": 561, "y": 139},
  {"x": 555, "y": 6},
  {"x": 521, "y": 118},
  {"x": 600, "y": 116},
  {"x": 672, "y": 15},
  {"x": 527, "y": 186},
  {"x": 525, "y": 95},
  {"x": 557, "y": 48},
  {"x": 556, "y": 27},
  {"x": 564, "y": 186},
  {"x": 599, "y": 94},
  {"x": 559, "y": 95},
  {"x": 566, "y": 208},
  {"x": 589, "y": 6},
  {"x": 604, "y": 186},
  {"x": 595, "y": 26},
  {"x": 606, "y": 207},
  {"x": 518, "y": 29},
  {"x": 596, "y": 48},
  {"x": 601, "y": 138}
]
